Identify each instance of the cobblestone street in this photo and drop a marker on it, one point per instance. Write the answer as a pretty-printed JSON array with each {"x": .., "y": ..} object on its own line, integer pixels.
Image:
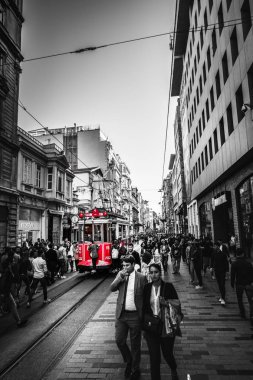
[{"x": 216, "y": 343}]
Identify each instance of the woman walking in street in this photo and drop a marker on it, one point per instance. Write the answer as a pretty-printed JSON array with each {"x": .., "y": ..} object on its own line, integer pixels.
[{"x": 155, "y": 298}]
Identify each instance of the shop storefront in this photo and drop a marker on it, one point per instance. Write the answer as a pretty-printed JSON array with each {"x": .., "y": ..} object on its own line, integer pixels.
[
  {"x": 205, "y": 218},
  {"x": 29, "y": 225},
  {"x": 223, "y": 225},
  {"x": 245, "y": 205},
  {"x": 3, "y": 226},
  {"x": 54, "y": 226}
]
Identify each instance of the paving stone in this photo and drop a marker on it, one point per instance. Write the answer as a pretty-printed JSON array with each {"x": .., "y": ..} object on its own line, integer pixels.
[{"x": 216, "y": 343}]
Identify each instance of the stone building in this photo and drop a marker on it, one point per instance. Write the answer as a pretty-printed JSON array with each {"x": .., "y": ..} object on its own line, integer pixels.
[
  {"x": 10, "y": 57},
  {"x": 213, "y": 75}
]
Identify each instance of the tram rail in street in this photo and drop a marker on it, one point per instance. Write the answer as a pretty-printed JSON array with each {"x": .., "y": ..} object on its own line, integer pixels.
[{"x": 6, "y": 370}]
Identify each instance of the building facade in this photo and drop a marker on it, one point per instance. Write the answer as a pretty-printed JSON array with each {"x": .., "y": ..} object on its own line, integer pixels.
[
  {"x": 10, "y": 57},
  {"x": 45, "y": 199},
  {"x": 213, "y": 75}
]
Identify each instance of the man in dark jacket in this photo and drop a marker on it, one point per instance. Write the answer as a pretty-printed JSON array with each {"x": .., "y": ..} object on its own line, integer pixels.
[
  {"x": 242, "y": 279},
  {"x": 135, "y": 254},
  {"x": 220, "y": 266}
]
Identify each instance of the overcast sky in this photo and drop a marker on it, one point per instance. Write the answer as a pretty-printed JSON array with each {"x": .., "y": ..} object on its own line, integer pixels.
[{"x": 122, "y": 88}]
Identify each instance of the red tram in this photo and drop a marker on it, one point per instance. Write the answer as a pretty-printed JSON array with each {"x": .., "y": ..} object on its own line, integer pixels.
[{"x": 95, "y": 225}]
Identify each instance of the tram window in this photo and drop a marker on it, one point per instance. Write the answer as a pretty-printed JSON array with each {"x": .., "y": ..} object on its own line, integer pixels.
[
  {"x": 97, "y": 232},
  {"x": 87, "y": 232}
]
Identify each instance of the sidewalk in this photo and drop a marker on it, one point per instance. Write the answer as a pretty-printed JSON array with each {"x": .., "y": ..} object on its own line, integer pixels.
[{"x": 216, "y": 343}]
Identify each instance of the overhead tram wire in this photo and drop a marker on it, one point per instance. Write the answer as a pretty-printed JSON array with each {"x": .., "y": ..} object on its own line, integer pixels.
[{"x": 174, "y": 33}]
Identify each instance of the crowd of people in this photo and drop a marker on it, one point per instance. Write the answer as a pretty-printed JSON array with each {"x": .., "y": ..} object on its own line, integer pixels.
[
  {"x": 139, "y": 266},
  {"x": 24, "y": 267},
  {"x": 144, "y": 296}
]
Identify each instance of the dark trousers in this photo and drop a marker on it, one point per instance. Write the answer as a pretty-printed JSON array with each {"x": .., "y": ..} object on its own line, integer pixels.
[
  {"x": 221, "y": 278},
  {"x": 25, "y": 279},
  {"x": 197, "y": 268},
  {"x": 94, "y": 261},
  {"x": 249, "y": 293},
  {"x": 129, "y": 322},
  {"x": 34, "y": 285},
  {"x": 165, "y": 262},
  {"x": 155, "y": 344}
]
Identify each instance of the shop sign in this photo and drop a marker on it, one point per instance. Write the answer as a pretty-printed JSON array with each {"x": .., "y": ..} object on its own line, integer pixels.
[
  {"x": 219, "y": 201},
  {"x": 25, "y": 225}
]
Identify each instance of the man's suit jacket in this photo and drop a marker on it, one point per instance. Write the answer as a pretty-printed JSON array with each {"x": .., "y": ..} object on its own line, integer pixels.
[{"x": 119, "y": 284}]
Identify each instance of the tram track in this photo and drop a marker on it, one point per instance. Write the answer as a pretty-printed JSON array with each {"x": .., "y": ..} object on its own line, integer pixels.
[{"x": 5, "y": 372}]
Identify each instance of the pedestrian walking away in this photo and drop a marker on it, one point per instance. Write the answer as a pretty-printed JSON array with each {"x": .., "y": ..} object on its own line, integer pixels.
[
  {"x": 220, "y": 265},
  {"x": 175, "y": 256},
  {"x": 155, "y": 301},
  {"x": 130, "y": 285},
  {"x": 93, "y": 248},
  {"x": 40, "y": 271},
  {"x": 242, "y": 279}
]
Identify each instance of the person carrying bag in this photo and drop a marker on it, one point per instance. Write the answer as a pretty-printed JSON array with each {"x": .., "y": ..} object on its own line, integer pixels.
[{"x": 161, "y": 321}]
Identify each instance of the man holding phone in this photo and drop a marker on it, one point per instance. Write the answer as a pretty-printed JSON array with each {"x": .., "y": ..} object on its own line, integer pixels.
[{"x": 130, "y": 285}]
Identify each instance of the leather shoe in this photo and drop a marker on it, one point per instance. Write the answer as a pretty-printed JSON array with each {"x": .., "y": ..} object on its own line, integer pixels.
[
  {"x": 128, "y": 369},
  {"x": 135, "y": 375}
]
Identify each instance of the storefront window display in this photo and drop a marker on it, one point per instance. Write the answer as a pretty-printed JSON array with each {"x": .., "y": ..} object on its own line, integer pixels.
[
  {"x": 245, "y": 193},
  {"x": 29, "y": 226},
  {"x": 205, "y": 219}
]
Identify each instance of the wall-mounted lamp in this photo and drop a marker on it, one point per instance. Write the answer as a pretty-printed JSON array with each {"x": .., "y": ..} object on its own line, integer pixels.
[{"x": 246, "y": 107}]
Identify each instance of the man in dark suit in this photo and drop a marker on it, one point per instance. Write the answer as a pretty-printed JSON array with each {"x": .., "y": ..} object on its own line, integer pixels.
[{"x": 130, "y": 285}]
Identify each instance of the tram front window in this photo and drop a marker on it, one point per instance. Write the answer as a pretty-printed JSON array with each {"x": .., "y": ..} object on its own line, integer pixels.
[{"x": 97, "y": 232}]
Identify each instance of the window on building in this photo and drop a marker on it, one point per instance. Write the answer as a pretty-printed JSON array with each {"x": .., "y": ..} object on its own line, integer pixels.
[
  {"x": 199, "y": 5},
  {"x": 2, "y": 61},
  {"x": 212, "y": 98},
  {"x": 197, "y": 95},
  {"x": 250, "y": 83},
  {"x": 2, "y": 13},
  {"x": 234, "y": 45},
  {"x": 195, "y": 108},
  {"x": 27, "y": 172},
  {"x": 239, "y": 103},
  {"x": 220, "y": 18},
  {"x": 192, "y": 76},
  {"x": 194, "y": 139},
  {"x": 196, "y": 169},
  {"x": 222, "y": 131},
  {"x": 201, "y": 37},
  {"x": 200, "y": 129},
  {"x": 199, "y": 165},
  {"x": 207, "y": 110},
  {"x": 193, "y": 37},
  {"x": 202, "y": 161},
  {"x": 190, "y": 48},
  {"x": 230, "y": 119},
  {"x": 203, "y": 120},
  {"x": 50, "y": 178},
  {"x": 204, "y": 73},
  {"x": 210, "y": 149},
  {"x": 68, "y": 189},
  {"x": 217, "y": 83},
  {"x": 214, "y": 41},
  {"x": 225, "y": 67},
  {"x": 198, "y": 52},
  {"x": 246, "y": 19},
  {"x": 228, "y": 4},
  {"x": 205, "y": 20},
  {"x": 38, "y": 175},
  {"x": 195, "y": 65},
  {"x": 60, "y": 181},
  {"x": 200, "y": 85},
  {"x": 208, "y": 58},
  {"x": 215, "y": 140},
  {"x": 195, "y": 21},
  {"x": 210, "y": 5},
  {"x": 206, "y": 155},
  {"x": 197, "y": 135}
]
